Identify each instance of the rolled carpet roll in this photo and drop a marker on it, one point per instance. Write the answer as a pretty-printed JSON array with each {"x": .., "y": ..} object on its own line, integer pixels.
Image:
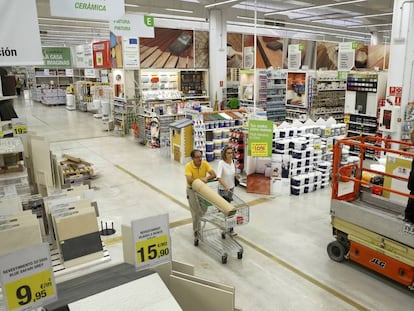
[{"x": 212, "y": 196}]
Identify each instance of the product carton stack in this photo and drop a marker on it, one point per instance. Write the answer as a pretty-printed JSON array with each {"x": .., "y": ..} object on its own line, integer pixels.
[{"x": 309, "y": 148}]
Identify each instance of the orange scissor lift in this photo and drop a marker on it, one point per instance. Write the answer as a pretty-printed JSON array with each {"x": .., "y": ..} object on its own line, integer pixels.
[{"x": 369, "y": 228}]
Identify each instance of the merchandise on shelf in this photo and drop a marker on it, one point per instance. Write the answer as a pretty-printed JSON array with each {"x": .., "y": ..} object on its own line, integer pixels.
[{"x": 296, "y": 96}]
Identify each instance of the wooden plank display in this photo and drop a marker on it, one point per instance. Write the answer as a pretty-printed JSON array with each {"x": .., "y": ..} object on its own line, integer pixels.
[{"x": 171, "y": 48}]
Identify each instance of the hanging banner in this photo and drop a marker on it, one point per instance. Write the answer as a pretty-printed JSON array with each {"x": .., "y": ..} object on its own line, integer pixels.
[
  {"x": 133, "y": 26},
  {"x": 101, "y": 54},
  {"x": 83, "y": 56},
  {"x": 260, "y": 138},
  {"x": 91, "y": 9},
  {"x": 152, "y": 241},
  {"x": 294, "y": 56},
  {"x": 346, "y": 56},
  {"x": 20, "y": 36},
  {"x": 57, "y": 57},
  {"x": 131, "y": 55}
]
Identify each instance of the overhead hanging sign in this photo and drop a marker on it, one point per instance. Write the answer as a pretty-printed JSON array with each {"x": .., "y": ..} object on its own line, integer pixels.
[
  {"x": 20, "y": 36},
  {"x": 57, "y": 57},
  {"x": 152, "y": 241},
  {"x": 131, "y": 54},
  {"x": 91, "y": 9},
  {"x": 101, "y": 54},
  {"x": 346, "y": 56},
  {"x": 83, "y": 56},
  {"x": 294, "y": 56},
  {"x": 133, "y": 26}
]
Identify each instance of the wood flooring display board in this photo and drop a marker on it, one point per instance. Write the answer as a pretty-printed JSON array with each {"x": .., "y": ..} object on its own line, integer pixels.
[
  {"x": 42, "y": 166},
  {"x": 77, "y": 233},
  {"x": 19, "y": 231}
]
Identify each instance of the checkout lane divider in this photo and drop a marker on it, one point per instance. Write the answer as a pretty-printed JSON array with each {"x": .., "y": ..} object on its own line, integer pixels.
[{"x": 251, "y": 244}]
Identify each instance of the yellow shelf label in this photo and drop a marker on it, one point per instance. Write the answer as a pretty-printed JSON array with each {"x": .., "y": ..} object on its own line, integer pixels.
[
  {"x": 29, "y": 290},
  {"x": 152, "y": 249}
]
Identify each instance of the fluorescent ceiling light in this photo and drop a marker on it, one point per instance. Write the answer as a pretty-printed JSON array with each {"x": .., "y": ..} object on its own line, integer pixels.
[
  {"x": 313, "y": 7},
  {"x": 180, "y": 10},
  {"x": 372, "y": 15},
  {"x": 72, "y": 26},
  {"x": 371, "y": 25},
  {"x": 180, "y": 18},
  {"x": 219, "y": 3},
  {"x": 193, "y": 1},
  {"x": 303, "y": 25},
  {"x": 132, "y": 5},
  {"x": 71, "y": 20}
]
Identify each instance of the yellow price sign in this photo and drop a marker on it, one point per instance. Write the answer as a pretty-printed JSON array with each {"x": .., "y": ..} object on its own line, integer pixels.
[
  {"x": 259, "y": 150},
  {"x": 152, "y": 249},
  {"x": 1, "y": 134},
  {"x": 29, "y": 290},
  {"x": 19, "y": 129}
]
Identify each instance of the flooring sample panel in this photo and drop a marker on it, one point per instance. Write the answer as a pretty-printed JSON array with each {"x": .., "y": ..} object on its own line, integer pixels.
[
  {"x": 81, "y": 246},
  {"x": 81, "y": 222}
]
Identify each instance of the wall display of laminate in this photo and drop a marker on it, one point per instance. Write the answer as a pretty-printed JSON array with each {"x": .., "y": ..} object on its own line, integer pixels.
[
  {"x": 276, "y": 95},
  {"x": 296, "y": 96},
  {"x": 326, "y": 96},
  {"x": 124, "y": 114},
  {"x": 50, "y": 85}
]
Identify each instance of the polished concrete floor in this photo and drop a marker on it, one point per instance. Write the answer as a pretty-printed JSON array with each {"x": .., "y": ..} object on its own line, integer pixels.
[{"x": 285, "y": 265}]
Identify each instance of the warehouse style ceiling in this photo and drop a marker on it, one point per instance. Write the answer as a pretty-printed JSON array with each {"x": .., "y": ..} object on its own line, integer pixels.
[{"x": 328, "y": 20}]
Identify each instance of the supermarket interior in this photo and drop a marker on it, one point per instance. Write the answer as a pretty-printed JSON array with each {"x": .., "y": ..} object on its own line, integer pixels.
[{"x": 106, "y": 117}]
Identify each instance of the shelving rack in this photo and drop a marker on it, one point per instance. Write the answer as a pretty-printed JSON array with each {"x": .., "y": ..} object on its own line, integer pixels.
[
  {"x": 296, "y": 96},
  {"x": 124, "y": 114},
  {"x": 50, "y": 85},
  {"x": 276, "y": 95},
  {"x": 326, "y": 96}
]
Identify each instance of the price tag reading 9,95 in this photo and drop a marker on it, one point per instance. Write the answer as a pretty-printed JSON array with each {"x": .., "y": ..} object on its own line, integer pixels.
[
  {"x": 27, "y": 278},
  {"x": 152, "y": 243}
]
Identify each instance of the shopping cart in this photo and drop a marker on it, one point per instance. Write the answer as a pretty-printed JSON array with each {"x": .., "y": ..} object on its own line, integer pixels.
[{"x": 216, "y": 227}]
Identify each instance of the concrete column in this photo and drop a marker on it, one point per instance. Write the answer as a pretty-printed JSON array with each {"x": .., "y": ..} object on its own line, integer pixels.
[
  {"x": 218, "y": 55},
  {"x": 401, "y": 67}
]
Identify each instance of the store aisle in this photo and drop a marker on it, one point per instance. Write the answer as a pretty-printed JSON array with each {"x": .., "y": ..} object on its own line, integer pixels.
[{"x": 285, "y": 265}]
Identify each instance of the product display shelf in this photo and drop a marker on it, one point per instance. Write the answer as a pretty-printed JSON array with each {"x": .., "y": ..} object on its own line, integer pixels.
[
  {"x": 276, "y": 95},
  {"x": 362, "y": 125},
  {"x": 247, "y": 94},
  {"x": 193, "y": 83},
  {"x": 124, "y": 114},
  {"x": 296, "y": 96},
  {"x": 326, "y": 96},
  {"x": 50, "y": 85},
  {"x": 232, "y": 89}
]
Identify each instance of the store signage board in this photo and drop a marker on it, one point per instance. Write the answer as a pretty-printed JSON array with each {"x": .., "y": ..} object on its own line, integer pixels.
[
  {"x": 19, "y": 126},
  {"x": 57, "y": 57},
  {"x": 101, "y": 54},
  {"x": 133, "y": 26},
  {"x": 131, "y": 54},
  {"x": 27, "y": 278},
  {"x": 91, "y": 9},
  {"x": 260, "y": 141},
  {"x": 83, "y": 56},
  {"x": 346, "y": 56},
  {"x": 20, "y": 35},
  {"x": 151, "y": 241},
  {"x": 294, "y": 56}
]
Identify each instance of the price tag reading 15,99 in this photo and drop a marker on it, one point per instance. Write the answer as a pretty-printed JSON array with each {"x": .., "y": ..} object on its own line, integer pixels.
[
  {"x": 152, "y": 242},
  {"x": 27, "y": 278}
]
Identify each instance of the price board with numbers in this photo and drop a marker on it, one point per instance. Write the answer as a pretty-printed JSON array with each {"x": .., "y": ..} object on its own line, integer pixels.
[
  {"x": 152, "y": 242},
  {"x": 19, "y": 126},
  {"x": 27, "y": 278}
]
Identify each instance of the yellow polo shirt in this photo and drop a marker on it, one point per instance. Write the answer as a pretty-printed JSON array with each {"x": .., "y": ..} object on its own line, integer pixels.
[{"x": 197, "y": 172}]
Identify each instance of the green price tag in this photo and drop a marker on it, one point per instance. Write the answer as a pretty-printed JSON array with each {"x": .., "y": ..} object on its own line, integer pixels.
[
  {"x": 152, "y": 249},
  {"x": 19, "y": 129},
  {"x": 28, "y": 290}
]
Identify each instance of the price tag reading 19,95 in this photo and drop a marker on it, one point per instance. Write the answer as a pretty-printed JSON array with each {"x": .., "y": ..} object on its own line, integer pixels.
[
  {"x": 152, "y": 243},
  {"x": 27, "y": 278}
]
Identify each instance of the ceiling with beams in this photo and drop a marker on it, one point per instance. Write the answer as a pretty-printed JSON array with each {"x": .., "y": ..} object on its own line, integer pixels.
[{"x": 322, "y": 20}]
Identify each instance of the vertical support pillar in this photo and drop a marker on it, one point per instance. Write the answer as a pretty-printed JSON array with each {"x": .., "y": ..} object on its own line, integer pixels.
[
  {"x": 401, "y": 66},
  {"x": 218, "y": 55}
]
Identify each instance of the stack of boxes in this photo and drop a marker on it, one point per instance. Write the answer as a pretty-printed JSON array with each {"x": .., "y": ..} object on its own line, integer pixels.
[{"x": 309, "y": 152}]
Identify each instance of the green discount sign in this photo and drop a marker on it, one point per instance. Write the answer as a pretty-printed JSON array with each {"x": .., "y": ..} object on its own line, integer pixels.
[
  {"x": 27, "y": 278},
  {"x": 152, "y": 242},
  {"x": 260, "y": 138}
]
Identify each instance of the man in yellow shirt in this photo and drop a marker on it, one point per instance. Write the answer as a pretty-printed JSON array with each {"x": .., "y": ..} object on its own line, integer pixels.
[{"x": 197, "y": 168}]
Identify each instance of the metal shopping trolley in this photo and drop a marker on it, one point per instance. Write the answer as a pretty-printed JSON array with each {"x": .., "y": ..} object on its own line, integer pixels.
[{"x": 216, "y": 227}]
